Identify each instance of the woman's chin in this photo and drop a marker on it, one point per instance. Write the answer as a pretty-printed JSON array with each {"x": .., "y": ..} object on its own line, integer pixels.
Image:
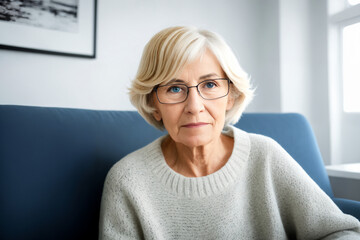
[{"x": 195, "y": 141}]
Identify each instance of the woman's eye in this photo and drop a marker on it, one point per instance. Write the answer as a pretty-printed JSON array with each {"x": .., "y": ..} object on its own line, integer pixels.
[
  {"x": 210, "y": 84},
  {"x": 174, "y": 89}
]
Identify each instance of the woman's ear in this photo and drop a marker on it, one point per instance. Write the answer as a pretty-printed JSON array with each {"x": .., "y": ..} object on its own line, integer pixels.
[
  {"x": 157, "y": 115},
  {"x": 230, "y": 103}
]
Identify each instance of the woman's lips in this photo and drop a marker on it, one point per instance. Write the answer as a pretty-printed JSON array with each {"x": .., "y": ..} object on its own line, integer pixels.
[{"x": 195, "y": 125}]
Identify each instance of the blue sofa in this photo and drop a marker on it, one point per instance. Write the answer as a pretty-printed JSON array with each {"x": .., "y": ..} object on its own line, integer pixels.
[{"x": 53, "y": 162}]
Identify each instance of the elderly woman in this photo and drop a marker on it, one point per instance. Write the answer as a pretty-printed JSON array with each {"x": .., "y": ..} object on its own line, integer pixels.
[{"x": 207, "y": 179}]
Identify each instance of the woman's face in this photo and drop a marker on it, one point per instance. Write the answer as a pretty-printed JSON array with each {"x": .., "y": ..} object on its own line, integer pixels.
[{"x": 195, "y": 122}]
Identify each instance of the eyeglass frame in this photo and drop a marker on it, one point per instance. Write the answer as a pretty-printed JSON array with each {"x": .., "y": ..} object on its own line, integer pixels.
[{"x": 195, "y": 86}]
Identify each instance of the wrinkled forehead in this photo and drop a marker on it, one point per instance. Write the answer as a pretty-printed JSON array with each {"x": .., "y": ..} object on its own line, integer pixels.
[{"x": 202, "y": 66}]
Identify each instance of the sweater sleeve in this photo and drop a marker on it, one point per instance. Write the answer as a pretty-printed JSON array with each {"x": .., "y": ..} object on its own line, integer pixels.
[
  {"x": 118, "y": 219},
  {"x": 307, "y": 211}
]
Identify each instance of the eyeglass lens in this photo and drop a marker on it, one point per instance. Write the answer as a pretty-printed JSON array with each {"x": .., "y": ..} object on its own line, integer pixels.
[{"x": 208, "y": 89}]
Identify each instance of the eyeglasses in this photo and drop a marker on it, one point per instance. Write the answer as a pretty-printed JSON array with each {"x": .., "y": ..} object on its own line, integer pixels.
[{"x": 177, "y": 93}]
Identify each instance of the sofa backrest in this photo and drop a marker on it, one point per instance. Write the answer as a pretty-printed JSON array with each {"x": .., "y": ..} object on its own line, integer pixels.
[{"x": 53, "y": 162}]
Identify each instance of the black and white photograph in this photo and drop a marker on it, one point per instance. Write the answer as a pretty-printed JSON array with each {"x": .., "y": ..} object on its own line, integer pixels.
[
  {"x": 57, "y": 15},
  {"x": 41, "y": 21}
]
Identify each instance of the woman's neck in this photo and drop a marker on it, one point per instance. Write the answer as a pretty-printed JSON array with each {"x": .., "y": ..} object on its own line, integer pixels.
[{"x": 197, "y": 161}]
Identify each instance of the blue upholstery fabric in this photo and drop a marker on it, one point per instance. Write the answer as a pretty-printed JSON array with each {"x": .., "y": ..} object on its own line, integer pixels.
[
  {"x": 348, "y": 206},
  {"x": 53, "y": 162}
]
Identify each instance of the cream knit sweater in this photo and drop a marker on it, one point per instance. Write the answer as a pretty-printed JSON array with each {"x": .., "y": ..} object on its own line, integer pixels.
[{"x": 261, "y": 193}]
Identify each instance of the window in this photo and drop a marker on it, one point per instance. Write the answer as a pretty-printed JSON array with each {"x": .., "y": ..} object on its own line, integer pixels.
[
  {"x": 353, "y": 2},
  {"x": 351, "y": 67},
  {"x": 344, "y": 80}
]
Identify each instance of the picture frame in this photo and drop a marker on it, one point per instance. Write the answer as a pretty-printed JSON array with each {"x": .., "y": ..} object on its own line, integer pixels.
[{"x": 61, "y": 27}]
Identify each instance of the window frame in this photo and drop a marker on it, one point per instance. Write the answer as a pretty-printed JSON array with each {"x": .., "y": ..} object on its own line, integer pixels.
[
  {"x": 348, "y": 15},
  {"x": 341, "y": 26},
  {"x": 343, "y": 124}
]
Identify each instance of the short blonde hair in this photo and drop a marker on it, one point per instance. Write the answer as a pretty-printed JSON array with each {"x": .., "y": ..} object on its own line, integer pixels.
[{"x": 165, "y": 55}]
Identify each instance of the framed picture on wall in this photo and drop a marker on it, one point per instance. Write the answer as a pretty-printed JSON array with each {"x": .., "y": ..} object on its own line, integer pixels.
[{"x": 61, "y": 27}]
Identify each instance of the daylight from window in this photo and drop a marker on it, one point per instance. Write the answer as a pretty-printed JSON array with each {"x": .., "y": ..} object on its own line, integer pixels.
[
  {"x": 351, "y": 68},
  {"x": 353, "y": 2}
]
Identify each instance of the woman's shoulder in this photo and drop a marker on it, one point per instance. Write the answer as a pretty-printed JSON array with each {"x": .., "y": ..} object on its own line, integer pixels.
[
  {"x": 267, "y": 153},
  {"x": 268, "y": 147},
  {"x": 262, "y": 140},
  {"x": 135, "y": 162},
  {"x": 257, "y": 141},
  {"x": 264, "y": 149}
]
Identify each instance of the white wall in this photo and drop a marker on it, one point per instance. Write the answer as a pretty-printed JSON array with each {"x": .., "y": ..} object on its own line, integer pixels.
[
  {"x": 267, "y": 79},
  {"x": 319, "y": 85},
  {"x": 123, "y": 29},
  {"x": 295, "y": 56},
  {"x": 303, "y": 61}
]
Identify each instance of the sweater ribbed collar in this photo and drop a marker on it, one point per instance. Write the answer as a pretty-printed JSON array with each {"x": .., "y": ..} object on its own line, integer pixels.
[{"x": 194, "y": 187}]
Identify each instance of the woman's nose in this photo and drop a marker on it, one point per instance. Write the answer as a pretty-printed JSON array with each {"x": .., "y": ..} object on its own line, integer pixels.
[{"x": 194, "y": 102}]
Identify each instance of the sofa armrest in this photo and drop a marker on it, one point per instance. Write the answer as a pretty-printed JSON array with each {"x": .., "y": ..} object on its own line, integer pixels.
[{"x": 348, "y": 206}]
